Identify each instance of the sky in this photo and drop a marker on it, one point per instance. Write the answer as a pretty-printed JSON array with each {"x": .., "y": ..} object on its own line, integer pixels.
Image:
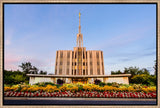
[{"x": 126, "y": 33}]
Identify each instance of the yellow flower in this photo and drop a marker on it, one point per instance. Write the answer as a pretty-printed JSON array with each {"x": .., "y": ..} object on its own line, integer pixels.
[
  {"x": 24, "y": 89},
  {"x": 7, "y": 89},
  {"x": 63, "y": 88}
]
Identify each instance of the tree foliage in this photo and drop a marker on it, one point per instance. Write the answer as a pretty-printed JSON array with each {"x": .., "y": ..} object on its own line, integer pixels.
[
  {"x": 138, "y": 75},
  {"x": 155, "y": 67},
  {"x": 144, "y": 79},
  {"x": 42, "y": 72},
  {"x": 14, "y": 77},
  {"x": 28, "y": 68}
]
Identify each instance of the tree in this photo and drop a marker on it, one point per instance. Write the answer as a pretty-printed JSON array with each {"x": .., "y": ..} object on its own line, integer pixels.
[
  {"x": 18, "y": 78},
  {"x": 144, "y": 79},
  {"x": 131, "y": 70},
  {"x": 155, "y": 67},
  {"x": 41, "y": 72},
  {"x": 26, "y": 67},
  {"x": 34, "y": 70},
  {"x": 116, "y": 72},
  {"x": 14, "y": 77}
]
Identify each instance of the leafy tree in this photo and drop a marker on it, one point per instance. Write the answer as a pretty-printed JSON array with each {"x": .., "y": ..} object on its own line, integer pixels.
[
  {"x": 131, "y": 70},
  {"x": 137, "y": 75},
  {"x": 26, "y": 67},
  {"x": 144, "y": 79},
  {"x": 14, "y": 77},
  {"x": 18, "y": 79}
]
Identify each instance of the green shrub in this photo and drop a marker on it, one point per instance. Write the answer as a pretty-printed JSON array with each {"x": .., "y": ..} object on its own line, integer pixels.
[
  {"x": 102, "y": 84},
  {"x": 109, "y": 84},
  {"x": 114, "y": 84},
  {"x": 80, "y": 88},
  {"x": 44, "y": 84}
]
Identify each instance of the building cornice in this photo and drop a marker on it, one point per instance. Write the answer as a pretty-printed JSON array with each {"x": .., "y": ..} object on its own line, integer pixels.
[{"x": 79, "y": 76}]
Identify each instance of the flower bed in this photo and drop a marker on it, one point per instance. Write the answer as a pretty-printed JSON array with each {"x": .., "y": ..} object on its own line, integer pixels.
[
  {"x": 80, "y": 90},
  {"x": 82, "y": 94}
]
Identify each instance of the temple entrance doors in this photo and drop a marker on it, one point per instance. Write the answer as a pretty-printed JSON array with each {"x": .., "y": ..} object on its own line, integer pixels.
[{"x": 82, "y": 80}]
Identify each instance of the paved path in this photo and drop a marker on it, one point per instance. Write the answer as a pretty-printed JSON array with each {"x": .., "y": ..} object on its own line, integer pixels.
[{"x": 78, "y": 101}]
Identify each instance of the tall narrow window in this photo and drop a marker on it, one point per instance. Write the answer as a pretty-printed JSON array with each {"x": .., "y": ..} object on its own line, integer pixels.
[
  {"x": 91, "y": 71},
  {"x": 90, "y": 55},
  {"x": 83, "y": 63},
  {"x": 83, "y": 72},
  {"x": 67, "y": 71},
  {"x": 57, "y": 55},
  {"x": 86, "y": 71},
  {"x": 90, "y": 63},
  {"x": 68, "y": 63},
  {"x": 68, "y": 54},
  {"x": 98, "y": 63},
  {"x": 98, "y": 71},
  {"x": 61, "y": 54},
  {"x": 55, "y": 71},
  {"x": 72, "y": 54},
  {"x": 97, "y": 55},
  {"x": 61, "y": 63},
  {"x": 86, "y": 55},
  {"x": 60, "y": 71},
  {"x": 75, "y": 55}
]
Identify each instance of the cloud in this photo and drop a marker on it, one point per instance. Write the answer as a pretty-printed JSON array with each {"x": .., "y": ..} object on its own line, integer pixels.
[
  {"x": 133, "y": 56},
  {"x": 8, "y": 36},
  {"x": 11, "y": 61},
  {"x": 111, "y": 43}
]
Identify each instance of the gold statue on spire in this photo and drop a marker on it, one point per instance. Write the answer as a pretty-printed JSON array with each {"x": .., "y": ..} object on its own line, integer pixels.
[{"x": 79, "y": 14}]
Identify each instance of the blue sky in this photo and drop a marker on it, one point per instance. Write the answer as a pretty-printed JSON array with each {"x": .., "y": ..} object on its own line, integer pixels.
[{"x": 126, "y": 33}]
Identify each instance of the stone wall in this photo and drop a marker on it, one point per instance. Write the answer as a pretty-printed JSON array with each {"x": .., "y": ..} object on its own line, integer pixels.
[{"x": 123, "y": 80}]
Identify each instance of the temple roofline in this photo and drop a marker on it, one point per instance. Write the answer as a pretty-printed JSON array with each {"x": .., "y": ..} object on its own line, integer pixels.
[{"x": 79, "y": 76}]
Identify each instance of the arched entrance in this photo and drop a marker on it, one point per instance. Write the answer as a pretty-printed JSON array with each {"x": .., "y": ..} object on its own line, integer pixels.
[{"x": 82, "y": 80}]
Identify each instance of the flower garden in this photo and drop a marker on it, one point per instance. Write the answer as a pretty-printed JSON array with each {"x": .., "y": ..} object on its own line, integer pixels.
[{"x": 80, "y": 90}]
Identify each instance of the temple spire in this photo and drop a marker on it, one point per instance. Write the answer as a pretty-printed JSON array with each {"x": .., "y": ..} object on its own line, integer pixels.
[
  {"x": 79, "y": 35},
  {"x": 79, "y": 22}
]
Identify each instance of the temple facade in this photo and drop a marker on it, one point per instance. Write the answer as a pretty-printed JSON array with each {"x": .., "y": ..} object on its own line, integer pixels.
[{"x": 79, "y": 65}]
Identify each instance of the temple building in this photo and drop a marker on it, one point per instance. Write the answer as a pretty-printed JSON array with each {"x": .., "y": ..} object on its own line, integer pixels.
[
  {"x": 79, "y": 61},
  {"x": 79, "y": 65}
]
